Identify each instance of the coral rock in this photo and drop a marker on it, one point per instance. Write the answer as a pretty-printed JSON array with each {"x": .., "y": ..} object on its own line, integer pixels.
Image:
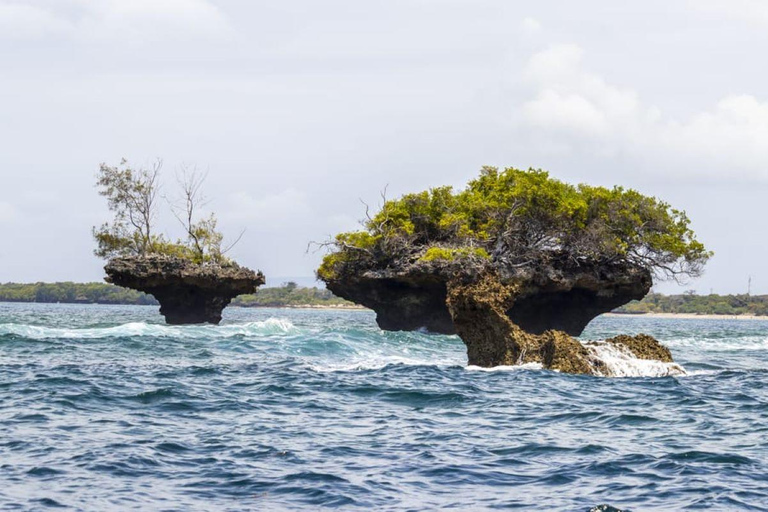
[{"x": 188, "y": 293}]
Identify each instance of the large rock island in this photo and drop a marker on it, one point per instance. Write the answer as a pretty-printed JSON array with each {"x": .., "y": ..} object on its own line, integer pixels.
[
  {"x": 188, "y": 293},
  {"x": 515, "y": 264}
]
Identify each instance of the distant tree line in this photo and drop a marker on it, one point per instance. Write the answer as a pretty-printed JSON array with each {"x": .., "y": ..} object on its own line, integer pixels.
[
  {"x": 289, "y": 294},
  {"x": 691, "y": 303},
  {"x": 77, "y": 293}
]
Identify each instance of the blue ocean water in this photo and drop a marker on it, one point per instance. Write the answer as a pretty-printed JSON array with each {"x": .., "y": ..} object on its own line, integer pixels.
[{"x": 106, "y": 408}]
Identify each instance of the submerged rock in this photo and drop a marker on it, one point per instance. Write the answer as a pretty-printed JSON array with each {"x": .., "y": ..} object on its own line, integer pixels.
[{"x": 188, "y": 293}]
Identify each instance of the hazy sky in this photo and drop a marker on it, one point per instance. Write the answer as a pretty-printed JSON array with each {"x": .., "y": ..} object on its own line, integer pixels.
[{"x": 300, "y": 109}]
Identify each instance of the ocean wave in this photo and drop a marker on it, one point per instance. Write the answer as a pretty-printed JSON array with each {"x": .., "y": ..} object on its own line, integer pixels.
[
  {"x": 271, "y": 326},
  {"x": 726, "y": 344},
  {"x": 506, "y": 368},
  {"x": 380, "y": 362},
  {"x": 618, "y": 363},
  {"x": 622, "y": 363}
]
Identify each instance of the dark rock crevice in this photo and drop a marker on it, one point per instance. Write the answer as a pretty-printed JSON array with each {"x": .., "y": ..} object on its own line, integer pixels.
[{"x": 414, "y": 297}]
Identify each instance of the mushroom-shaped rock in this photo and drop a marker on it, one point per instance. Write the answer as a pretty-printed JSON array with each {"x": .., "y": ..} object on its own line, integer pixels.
[
  {"x": 515, "y": 264},
  {"x": 189, "y": 293}
]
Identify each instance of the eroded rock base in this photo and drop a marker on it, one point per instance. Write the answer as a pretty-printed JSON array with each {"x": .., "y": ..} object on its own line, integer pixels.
[{"x": 478, "y": 310}]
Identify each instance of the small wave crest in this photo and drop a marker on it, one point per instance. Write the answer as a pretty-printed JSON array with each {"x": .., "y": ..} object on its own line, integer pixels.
[
  {"x": 506, "y": 368},
  {"x": 722, "y": 344},
  {"x": 271, "y": 326},
  {"x": 620, "y": 362}
]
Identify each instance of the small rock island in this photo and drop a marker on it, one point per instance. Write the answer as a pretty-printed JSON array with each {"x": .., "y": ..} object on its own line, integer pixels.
[
  {"x": 191, "y": 278},
  {"x": 188, "y": 293},
  {"x": 515, "y": 264}
]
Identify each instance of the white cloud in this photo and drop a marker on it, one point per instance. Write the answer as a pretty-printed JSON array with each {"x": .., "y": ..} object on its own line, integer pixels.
[
  {"x": 7, "y": 212},
  {"x": 271, "y": 211},
  {"x": 127, "y": 21},
  {"x": 531, "y": 25},
  {"x": 23, "y": 21},
  {"x": 155, "y": 19},
  {"x": 751, "y": 11},
  {"x": 574, "y": 107}
]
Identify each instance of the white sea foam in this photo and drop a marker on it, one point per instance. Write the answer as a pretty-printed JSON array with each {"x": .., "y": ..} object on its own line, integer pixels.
[
  {"x": 620, "y": 362},
  {"x": 377, "y": 363},
  {"x": 506, "y": 368},
  {"x": 271, "y": 326}
]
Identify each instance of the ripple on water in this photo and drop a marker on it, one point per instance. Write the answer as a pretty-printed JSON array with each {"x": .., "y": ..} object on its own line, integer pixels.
[{"x": 103, "y": 408}]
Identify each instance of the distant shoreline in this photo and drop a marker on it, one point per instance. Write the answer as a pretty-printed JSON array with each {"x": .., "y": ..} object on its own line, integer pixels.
[
  {"x": 343, "y": 307},
  {"x": 687, "y": 316},
  {"x": 356, "y": 307},
  {"x": 352, "y": 307}
]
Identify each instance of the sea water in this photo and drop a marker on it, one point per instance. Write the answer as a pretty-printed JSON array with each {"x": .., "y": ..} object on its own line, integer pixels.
[{"x": 106, "y": 408}]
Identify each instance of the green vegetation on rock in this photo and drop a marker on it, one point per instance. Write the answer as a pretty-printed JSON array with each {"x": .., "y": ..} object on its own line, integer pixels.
[
  {"x": 133, "y": 197},
  {"x": 526, "y": 218},
  {"x": 453, "y": 254}
]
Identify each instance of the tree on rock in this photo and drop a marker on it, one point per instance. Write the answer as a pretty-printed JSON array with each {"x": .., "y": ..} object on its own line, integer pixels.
[
  {"x": 520, "y": 219},
  {"x": 132, "y": 196},
  {"x": 569, "y": 252},
  {"x": 191, "y": 278}
]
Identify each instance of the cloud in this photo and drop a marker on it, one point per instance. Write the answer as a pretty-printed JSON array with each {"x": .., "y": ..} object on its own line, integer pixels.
[
  {"x": 751, "y": 11},
  {"x": 22, "y": 21},
  {"x": 7, "y": 212},
  {"x": 269, "y": 212},
  {"x": 155, "y": 19},
  {"x": 531, "y": 25},
  {"x": 129, "y": 22},
  {"x": 574, "y": 108}
]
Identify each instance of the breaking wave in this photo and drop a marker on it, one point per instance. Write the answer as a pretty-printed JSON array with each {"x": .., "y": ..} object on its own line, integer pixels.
[
  {"x": 619, "y": 362},
  {"x": 335, "y": 348},
  {"x": 143, "y": 329}
]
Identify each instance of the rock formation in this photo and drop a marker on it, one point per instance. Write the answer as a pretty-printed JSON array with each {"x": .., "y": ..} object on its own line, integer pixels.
[
  {"x": 513, "y": 317},
  {"x": 189, "y": 293},
  {"x": 566, "y": 298},
  {"x": 515, "y": 264},
  {"x": 480, "y": 313}
]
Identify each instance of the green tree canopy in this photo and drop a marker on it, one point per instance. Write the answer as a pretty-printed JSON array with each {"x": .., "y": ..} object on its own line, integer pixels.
[
  {"x": 524, "y": 218},
  {"x": 133, "y": 198}
]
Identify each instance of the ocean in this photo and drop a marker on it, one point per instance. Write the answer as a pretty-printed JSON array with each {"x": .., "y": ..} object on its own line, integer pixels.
[{"x": 106, "y": 408}]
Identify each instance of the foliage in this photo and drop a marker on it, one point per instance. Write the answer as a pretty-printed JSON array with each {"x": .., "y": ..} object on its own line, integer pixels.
[
  {"x": 524, "y": 218},
  {"x": 67, "y": 292},
  {"x": 289, "y": 294},
  {"x": 132, "y": 196},
  {"x": 453, "y": 254},
  {"x": 688, "y": 303}
]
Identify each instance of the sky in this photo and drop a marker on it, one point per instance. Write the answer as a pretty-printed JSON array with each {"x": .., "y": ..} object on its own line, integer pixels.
[{"x": 301, "y": 111}]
